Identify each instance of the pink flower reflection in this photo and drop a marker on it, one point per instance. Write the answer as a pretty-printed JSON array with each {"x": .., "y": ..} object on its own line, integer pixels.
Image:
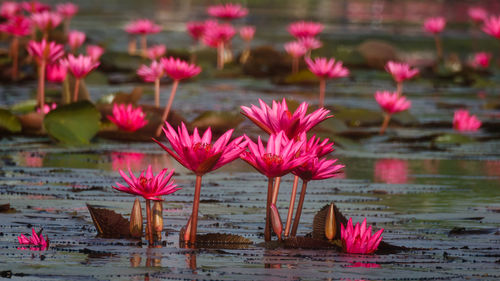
[
  {"x": 33, "y": 159},
  {"x": 365, "y": 265},
  {"x": 126, "y": 160},
  {"x": 391, "y": 171},
  {"x": 492, "y": 168}
]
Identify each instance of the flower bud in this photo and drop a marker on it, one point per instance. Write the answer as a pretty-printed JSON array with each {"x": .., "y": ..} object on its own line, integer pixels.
[
  {"x": 157, "y": 219},
  {"x": 187, "y": 231},
  {"x": 330, "y": 223},
  {"x": 136, "y": 220},
  {"x": 276, "y": 221}
]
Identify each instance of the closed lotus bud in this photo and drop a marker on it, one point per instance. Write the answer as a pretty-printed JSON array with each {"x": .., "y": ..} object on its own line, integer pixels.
[
  {"x": 187, "y": 232},
  {"x": 136, "y": 220},
  {"x": 330, "y": 223},
  {"x": 276, "y": 221},
  {"x": 135, "y": 260},
  {"x": 157, "y": 219}
]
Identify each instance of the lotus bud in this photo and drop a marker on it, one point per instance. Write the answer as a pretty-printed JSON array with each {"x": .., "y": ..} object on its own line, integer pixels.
[
  {"x": 157, "y": 219},
  {"x": 187, "y": 232},
  {"x": 135, "y": 260},
  {"x": 330, "y": 223},
  {"x": 276, "y": 221},
  {"x": 136, "y": 220}
]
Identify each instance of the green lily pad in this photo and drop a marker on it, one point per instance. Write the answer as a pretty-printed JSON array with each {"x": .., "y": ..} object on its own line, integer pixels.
[
  {"x": 357, "y": 117},
  {"x": 333, "y": 125},
  {"x": 24, "y": 106},
  {"x": 218, "y": 121},
  {"x": 453, "y": 139},
  {"x": 404, "y": 118},
  {"x": 73, "y": 124},
  {"x": 9, "y": 121},
  {"x": 302, "y": 77}
]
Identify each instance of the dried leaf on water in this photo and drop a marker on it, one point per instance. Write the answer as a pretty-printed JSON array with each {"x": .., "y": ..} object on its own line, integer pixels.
[
  {"x": 109, "y": 224},
  {"x": 218, "y": 240}
]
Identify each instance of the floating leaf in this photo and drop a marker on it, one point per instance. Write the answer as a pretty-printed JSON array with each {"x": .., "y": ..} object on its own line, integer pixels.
[
  {"x": 109, "y": 224},
  {"x": 9, "y": 121},
  {"x": 133, "y": 97},
  {"x": 6, "y": 209},
  {"x": 24, "y": 106},
  {"x": 75, "y": 123},
  {"x": 218, "y": 121},
  {"x": 356, "y": 117},
  {"x": 308, "y": 243},
  {"x": 219, "y": 240},
  {"x": 453, "y": 139}
]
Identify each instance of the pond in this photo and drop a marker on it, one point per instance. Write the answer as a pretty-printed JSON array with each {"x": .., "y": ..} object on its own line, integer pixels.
[{"x": 435, "y": 192}]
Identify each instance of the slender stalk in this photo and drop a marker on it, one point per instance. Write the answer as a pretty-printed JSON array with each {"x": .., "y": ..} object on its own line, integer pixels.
[
  {"x": 322, "y": 86},
  {"x": 220, "y": 56},
  {"x": 399, "y": 89},
  {"x": 387, "y": 118},
  {"x": 439, "y": 47},
  {"x": 299, "y": 209},
  {"x": 167, "y": 108},
  {"x": 196, "y": 205},
  {"x": 290, "y": 207},
  {"x": 157, "y": 92},
  {"x": 276, "y": 190},
  {"x": 148, "y": 220},
  {"x": 267, "y": 229},
  {"x": 132, "y": 46},
  {"x": 295, "y": 65},
  {"x": 144, "y": 45},
  {"x": 66, "y": 92},
  {"x": 15, "y": 52},
  {"x": 41, "y": 85},
  {"x": 77, "y": 88}
]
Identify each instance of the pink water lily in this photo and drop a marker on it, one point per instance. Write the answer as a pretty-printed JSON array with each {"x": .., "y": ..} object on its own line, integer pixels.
[
  {"x": 359, "y": 239},
  {"x": 142, "y": 27},
  {"x": 75, "y": 39},
  {"x": 46, "y": 21},
  {"x": 302, "y": 29},
  {"x": 34, "y": 6},
  {"x": 9, "y": 9},
  {"x": 391, "y": 103},
  {"x": 128, "y": 118},
  {"x": 492, "y": 26},
  {"x": 434, "y": 25},
  {"x": 464, "y": 121},
  {"x": 196, "y": 29},
  {"x": 56, "y": 72},
  {"x": 400, "y": 72},
  {"x": 477, "y": 14},
  {"x": 67, "y": 10},
  {"x": 36, "y": 240},
  {"x": 295, "y": 50},
  {"x": 47, "y": 108},
  {"x": 310, "y": 43},
  {"x": 17, "y": 26},
  {"x": 152, "y": 73},
  {"x": 227, "y": 11},
  {"x": 155, "y": 52},
  {"x": 278, "y": 118},
  {"x": 481, "y": 60},
  {"x": 324, "y": 69},
  {"x": 218, "y": 36},
  {"x": 247, "y": 33},
  {"x": 80, "y": 67},
  {"x": 95, "y": 52}
]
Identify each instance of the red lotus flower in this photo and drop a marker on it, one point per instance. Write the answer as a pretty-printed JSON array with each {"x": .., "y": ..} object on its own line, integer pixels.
[
  {"x": 34, "y": 7},
  {"x": 301, "y": 29},
  {"x": 318, "y": 169},
  {"x": 128, "y": 118},
  {"x": 278, "y": 118},
  {"x": 151, "y": 73},
  {"x": 228, "y": 11},
  {"x": 9, "y": 9},
  {"x": 295, "y": 49},
  {"x": 314, "y": 147},
  {"x": 392, "y": 102},
  {"x": 310, "y": 43},
  {"x": 45, "y": 51},
  {"x": 179, "y": 69},
  {"x": 46, "y": 20},
  {"x": 156, "y": 51},
  {"x": 80, "y": 66},
  {"x": 481, "y": 60},
  {"x": 400, "y": 71},
  {"x": 75, "y": 39},
  {"x": 95, "y": 52},
  {"x": 56, "y": 72},
  {"x": 477, "y": 14},
  {"x": 17, "y": 26},
  {"x": 67, "y": 10},
  {"x": 217, "y": 34},
  {"x": 492, "y": 26},
  {"x": 148, "y": 185},
  {"x": 196, "y": 29},
  {"x": 35, "y": 240},
  {"x": 142, "y": 26},
  {"x": 463, "y": 121},
  {"x": 434, "y": 25},
  {"x": 247, "y": 33},
  {"x": 359, "y": 239},
  {"x": 324, "y": 68},
  {"x": 199, "y": 154}
]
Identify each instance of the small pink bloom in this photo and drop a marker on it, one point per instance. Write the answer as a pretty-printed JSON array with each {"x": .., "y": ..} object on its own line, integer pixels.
[
  {"x": 56, "y": 72},
  {"x": 128, "y": 118},
  {"x": 196, "y": 29},
  {"x": 43, "y": 50},
  {"x": 314, "y": 147},
  {"x": 47, "y": 108},
  {"x": 157, "y": 51},
  {"x": 17, "y": 26},
  {"x": 324, "y": 68},
  {"x": 36, "y": 240},
  {"x": 481, "y": 60},
  {"x": 477, "y": 14},
  {"x": 318, "y": 169},
  {"x": 400, "y": 71},
  {"x": 46, "y": 20},
  {"x": 310, "y": 43},
  {"x": 228, "y": 11},
  {"x": 34, "y": 7},
  {"x": 67, "y": 10},
  {"x": 142, "y": 26},
  {"x": 302, "y": 29},
  {"x": 199, "y": 154},
  {"x": 434, "y": 25},
  {"x": 463, "y": 121},
  {"x": 79, "y": 66},
  {"x": 9, "y": 9},
  {"x": 95, "y": 52},
  {"x": 492, "y": 26},
  {"x": 217, "y": 34},
  {"x": 359, "y": 239},
  {"x": 295, "y": 49},
  {"x": 391, "y": 171},
  {"x": 278, "y": 118},
  {"x": 75, "y": 39},
  {"x": 152, "y": 72},
  {"x": 247, "y": 33},
  {"x": 178, "y": 69},
  {"x": 148, "y": 185},
  {"x": 392, "y": 102}
]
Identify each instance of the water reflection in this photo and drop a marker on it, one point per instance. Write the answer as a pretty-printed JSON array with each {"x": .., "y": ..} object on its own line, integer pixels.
[
  {"x": 32, "y": 159},
  {"x": 391, "y": 171},
  {"x": 137, "y": 161}
]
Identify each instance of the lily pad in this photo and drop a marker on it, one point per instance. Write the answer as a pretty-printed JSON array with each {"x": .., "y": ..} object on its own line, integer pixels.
[
  {"x": 217, "y": 120},
  {"x": 9, "y": 121},
  {"x": 453, "y": 139},
  {"x": 24, "y": 106},
  {"x": 358, "y": 117},
  {"x": 75, "y": 123},
  {"x": 303, "y": 77}
]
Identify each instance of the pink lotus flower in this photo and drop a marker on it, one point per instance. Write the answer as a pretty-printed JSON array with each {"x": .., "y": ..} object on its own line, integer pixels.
[
  {"x": 17, "y": 26},
  {"x": 45, "y": 51},
  {"x": 218, "y": 34},
  {"x": 148, "y": 185},
  {"x": 47, "y": 108},
  {"x": 196, "y": 29},
  {"x": 179, "y": 69},
  {"x": 35, "y": 240},
  {"x": 278, "y": 118},
  {"x": 391, "y": 171},
  {"x": 67, "y": 10},
  {"x": 142, "y": 26},
  {"x": 79, "y": 66},
  {"x": 310, "y": 43},
  {"x": 359, "y": 239},
  {"x": 492, "y": 26},
  {"x": 481, "y": 60},
  {"x": 45, "y": 21},
  {"x": 324, "y": 68},
  {"x": 199, "y": 154},
  {"x": 151, "y": 73},
  {"x": 95, "y": 52},
  {"x": 400, "y": 71},
  {"x": 128, "y": 118},
  {"x": 228, "y": 11},
  {"x": 247, "y": 33},
  {"x": 295, "y": 49},
  {"x": 392, "y": 102},
  {"x": 75, "y": 39},
  {"x": 56, "y": 72},
  {"x": 318, "y": 169},
  {"x": 314, "y": 147},
  {"x": 477, "y": 14},
  {"x": 157, "y": 51},
  {"x": 34, "y": 7},
  {"x": 9, "y": 9},
  {"x": 434, "y": 25},
  {"x": 463, "y": 121},
  {"x": 302, "y": 29}
]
